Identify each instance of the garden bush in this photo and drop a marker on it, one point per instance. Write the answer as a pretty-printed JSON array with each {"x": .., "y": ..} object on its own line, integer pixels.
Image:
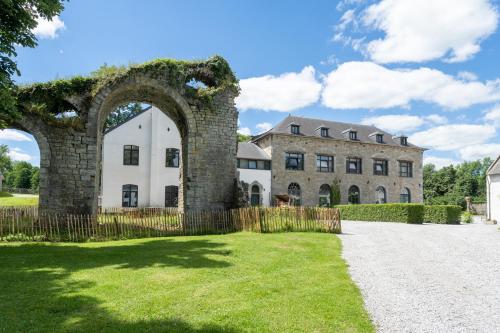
[
  {"x": 444, "y": 214},
  {"x": 406, "y": 213},
  {"x": 467, "y": 217}
]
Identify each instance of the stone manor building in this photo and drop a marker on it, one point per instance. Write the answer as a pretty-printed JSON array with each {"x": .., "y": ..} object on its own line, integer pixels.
[
  {"x": 296, "y": 161},
  {"x": 371, "y": 165}
]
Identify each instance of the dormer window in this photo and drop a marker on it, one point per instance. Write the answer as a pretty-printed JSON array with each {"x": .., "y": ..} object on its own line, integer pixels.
[
  {"x": 380, "y": 138},
  {"x": 404, "y": 141},
  {"x": 353, "y": 135},
  {"x": 324, "y": 132},
  {"x": 295, "y": 129}
]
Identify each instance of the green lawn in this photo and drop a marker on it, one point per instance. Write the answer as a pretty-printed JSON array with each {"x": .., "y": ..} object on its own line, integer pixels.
[
  {"x": 242, "y": 282},
  {"x": 6, "y": 200}
]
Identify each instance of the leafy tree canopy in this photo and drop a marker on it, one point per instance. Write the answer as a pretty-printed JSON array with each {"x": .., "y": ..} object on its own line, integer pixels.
[
  {"x": 18, "y": 19},
  {"x": 451, "y": 184},
  {"x": 244, "y": 138},
  {"x": 122, "y": 114}
]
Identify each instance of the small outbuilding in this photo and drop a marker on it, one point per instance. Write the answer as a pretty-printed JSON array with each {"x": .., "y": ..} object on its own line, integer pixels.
[{"x": 493, "y": 191}]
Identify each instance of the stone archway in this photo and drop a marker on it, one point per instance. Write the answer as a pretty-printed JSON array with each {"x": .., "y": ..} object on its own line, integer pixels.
[{"x": 205, "y": 115}]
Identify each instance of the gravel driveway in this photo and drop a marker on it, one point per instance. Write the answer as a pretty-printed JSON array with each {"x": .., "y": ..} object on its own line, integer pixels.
[{"x": 426, "y": 278}]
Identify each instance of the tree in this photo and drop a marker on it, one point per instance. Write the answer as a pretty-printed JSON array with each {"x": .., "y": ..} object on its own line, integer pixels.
[
  {"x": 5, "y": 160},
  {"x": 20, "y": 176},
  {"x": 243, "y": 137},
  {"x": 122, "y": 114},
  {"x": 18, "y": 19},
  {"x": 35, "y": 179},
  {"x": 335, "y": 195},
  {"x": 451, "y": 184}
]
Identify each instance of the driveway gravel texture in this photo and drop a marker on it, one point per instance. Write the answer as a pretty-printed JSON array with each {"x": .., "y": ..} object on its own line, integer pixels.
[{"x": 426, "y": 278}]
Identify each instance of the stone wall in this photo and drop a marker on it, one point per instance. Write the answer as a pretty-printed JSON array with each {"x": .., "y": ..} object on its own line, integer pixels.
[
  {"x": 310, "y": 180},
  {"x": 71, "y": 156}
]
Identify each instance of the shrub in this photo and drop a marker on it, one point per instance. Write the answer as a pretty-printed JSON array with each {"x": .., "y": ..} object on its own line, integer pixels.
[
  {"x": 445, "y": 214},
  {"x": 466, "y": 217},
  {"x": 335, "y": 195},
  {"x": 406, "y": 213}
]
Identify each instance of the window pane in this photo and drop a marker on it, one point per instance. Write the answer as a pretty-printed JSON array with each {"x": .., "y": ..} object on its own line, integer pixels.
[
  {"x": 244, "y": 164},
  {"x": 294, "y": 161},
  {"x": 252, "y": 164},
  {"x": 172, "y": 158}
]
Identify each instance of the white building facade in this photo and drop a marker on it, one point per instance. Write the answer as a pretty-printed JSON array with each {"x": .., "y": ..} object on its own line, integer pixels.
[
  {"x": 141, "y": 159},
  {"x": 493, "y": 191}
]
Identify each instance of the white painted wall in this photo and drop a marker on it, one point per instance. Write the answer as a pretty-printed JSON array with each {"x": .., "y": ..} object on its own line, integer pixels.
[
  {"x": 164, "y": 135},
  {"x": 493, "y": 206},
  {"x": 114, "y": 173},
  {"x": 153, "y": 132},
  {"x": 261, "y": 177}
]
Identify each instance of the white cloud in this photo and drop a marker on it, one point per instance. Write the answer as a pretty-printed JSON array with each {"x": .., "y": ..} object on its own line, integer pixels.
[
  {"x": 467, "y": 76},
  {"x": 48, "y": 29},
  {"x": 400, "y": 123},
  {"x": 423, "y": 30},
  {"x": 245, "y": 131},
  {"x": 440, "y": 162},
  {"x": 368, "y": 85},
  {"x": 493, "y": 116},
  {"x": 287, "y": 92},
  {"x": 264, "y": 127},
  {"x": 13, "y": 135},
  {"x": 395, "y": 123},
  {"x": 476, "y": 152},
  {"x": 453, "y": 137},
  {"x": 436, "y": 119},
  {"x": 18, "y": 154}
]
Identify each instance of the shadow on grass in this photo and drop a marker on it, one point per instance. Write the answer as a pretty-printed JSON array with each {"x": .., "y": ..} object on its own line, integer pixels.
[{"x": 38, "y": 294}]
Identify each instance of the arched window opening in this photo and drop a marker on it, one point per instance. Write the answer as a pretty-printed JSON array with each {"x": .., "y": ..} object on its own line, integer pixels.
[
  {"x": 294, "y": 194},
  {"x": 324, "y": 195},
  {"x": 353, "y": 196},
  {"x": 130, "y": 195},
  {"x": 380, "y": 195},
  {"x": 405, "y": 196},
  {"x": 171, "y": 196},
  {"x": 255, "y": 195}
]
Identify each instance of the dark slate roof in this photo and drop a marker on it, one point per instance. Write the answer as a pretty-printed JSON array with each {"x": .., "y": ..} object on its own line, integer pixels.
[
  {"x": 251, "y": 151},
  {"x": 494, "y": 169},
  {"x": 336, "y": 130}
]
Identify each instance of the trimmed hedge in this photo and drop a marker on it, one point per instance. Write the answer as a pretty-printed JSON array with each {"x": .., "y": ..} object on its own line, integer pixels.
[
  {"x": 444, "y": 214},
  {"x": 405, "y": 213}
]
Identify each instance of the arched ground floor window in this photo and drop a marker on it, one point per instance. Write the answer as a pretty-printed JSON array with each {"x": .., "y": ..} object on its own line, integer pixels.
[
  {"x": 295, "y": 194},
  {"x": 405, "y": 196},
  {"x": 171, "y": 196},
  {"x": 255, "y": 195},
  {"x": 380, "y": 195},
  {"x": 353, "y": 196},
  {"x": 324, "y": 195},
  {"x": 130, "y": 195}
]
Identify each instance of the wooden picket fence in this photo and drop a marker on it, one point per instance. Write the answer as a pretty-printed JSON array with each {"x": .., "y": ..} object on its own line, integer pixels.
[{"x": 26, "y": 224}]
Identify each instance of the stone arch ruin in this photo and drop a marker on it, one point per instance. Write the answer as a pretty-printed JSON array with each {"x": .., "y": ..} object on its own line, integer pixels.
[{"x": 67, "y": 117}]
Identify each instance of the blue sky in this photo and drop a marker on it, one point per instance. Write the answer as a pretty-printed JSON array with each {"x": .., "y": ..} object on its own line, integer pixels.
[{"x": 426, "y": 68}]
